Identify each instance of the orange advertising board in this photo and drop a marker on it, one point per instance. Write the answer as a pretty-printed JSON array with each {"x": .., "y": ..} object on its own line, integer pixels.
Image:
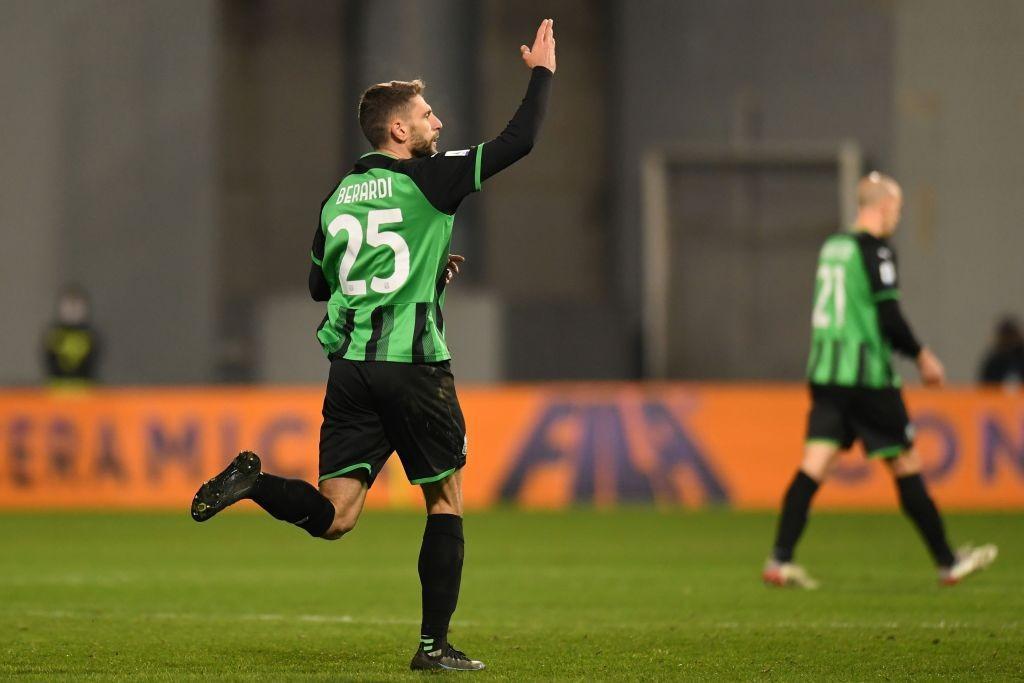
[{"x": 533, "y": 446}]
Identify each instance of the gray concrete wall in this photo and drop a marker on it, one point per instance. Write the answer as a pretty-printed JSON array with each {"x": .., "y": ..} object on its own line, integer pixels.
[
  {"x": 111, "y": 106},
  {"x": 548, "y": 254},
  {"x": 734, "y": 72},
  {"x": 959, "y": 130},
  {"x": 281, "y": 117},
  {"x": 170, "y": 156},
  {"x": 546, "y": 215},
  {"x": 31, "y": 198}
]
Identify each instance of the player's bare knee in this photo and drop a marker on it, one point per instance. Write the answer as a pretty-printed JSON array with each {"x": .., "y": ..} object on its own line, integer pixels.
[
  {"x": 445, "y": 500},
  {"x": 444, "y": 507},
  {"x": 818, "y": 460},
  {"x": 815, "y": 471},
  {"x": 905, "y": 465},
  {"x": 444, "y": 497},
  {"x": 343, "y": 524}
]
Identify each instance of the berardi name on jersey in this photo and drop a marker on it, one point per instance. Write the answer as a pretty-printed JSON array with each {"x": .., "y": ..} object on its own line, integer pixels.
[
  {"x": 378, "y": 188},
  {"x": 375, "y": 188}
]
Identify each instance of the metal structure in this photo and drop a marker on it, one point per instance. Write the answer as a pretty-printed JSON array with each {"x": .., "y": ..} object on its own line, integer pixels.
[{"x": 656, "y": 166}]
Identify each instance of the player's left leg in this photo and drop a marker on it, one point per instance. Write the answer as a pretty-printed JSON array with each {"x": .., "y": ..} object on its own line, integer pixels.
[
  {"x": 290, "y": 500},
  {"x": 918, "y": 505},
  {"x": 818, "y": 458},
  {"x": 353, "y": 449},
  {"x": 827, "y": 435},
  {"x": 780, "y": 569}
]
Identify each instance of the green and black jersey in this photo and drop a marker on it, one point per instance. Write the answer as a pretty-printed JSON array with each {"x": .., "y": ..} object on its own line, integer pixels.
[
  {"x": 384, "y": 233},
  {"x": 856, "y": 323},
  {"x": 382, "y": 248}
]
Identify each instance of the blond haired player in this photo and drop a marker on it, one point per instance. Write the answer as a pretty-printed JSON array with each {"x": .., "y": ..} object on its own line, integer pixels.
[{"x": 855, "y": 326}]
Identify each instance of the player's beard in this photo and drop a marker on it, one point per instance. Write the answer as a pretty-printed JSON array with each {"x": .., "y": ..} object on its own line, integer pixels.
[{"x": 423, "y": 146}]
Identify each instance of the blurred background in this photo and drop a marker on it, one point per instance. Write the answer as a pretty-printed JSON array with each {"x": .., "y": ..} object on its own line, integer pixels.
[
  {"x": 162, "y": 166},
  {"x": 169, "y": 159}
]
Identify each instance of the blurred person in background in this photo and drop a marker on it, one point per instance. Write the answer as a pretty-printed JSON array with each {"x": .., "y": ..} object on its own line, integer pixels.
[
  {"x": 380, "y": 259},
  {"x": 1004, "y": 361},
  {"x": 856, "y": 323},
  {"x": 70, "y": 344}
]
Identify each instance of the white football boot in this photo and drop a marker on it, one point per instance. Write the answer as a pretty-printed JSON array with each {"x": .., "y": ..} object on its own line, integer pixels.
[
  {"x": 777, "y": 573},
  {"x": 969, "y": 560}
]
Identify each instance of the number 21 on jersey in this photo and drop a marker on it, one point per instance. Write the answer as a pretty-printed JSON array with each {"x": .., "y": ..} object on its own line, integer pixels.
[
  {"x": 375, "y": 237},
  {"x": 831, "y": 289}
]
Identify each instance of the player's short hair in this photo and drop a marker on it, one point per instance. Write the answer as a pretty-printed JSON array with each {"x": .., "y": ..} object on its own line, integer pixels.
[
  {"x": 380, "y": 103},
  {"x": 875, "y": 186}
]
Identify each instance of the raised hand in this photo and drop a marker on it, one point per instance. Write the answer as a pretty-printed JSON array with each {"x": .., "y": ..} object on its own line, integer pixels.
[{"x": 543, "y": 51}]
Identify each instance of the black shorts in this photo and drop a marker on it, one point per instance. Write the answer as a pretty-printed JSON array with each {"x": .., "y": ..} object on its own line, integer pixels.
[
  {"x": 373, "y": 408},
  {"x": 878, "y": 417}
]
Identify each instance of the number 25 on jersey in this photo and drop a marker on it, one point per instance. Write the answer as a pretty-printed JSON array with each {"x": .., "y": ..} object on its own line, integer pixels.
[{"x": 375, "y": 237}]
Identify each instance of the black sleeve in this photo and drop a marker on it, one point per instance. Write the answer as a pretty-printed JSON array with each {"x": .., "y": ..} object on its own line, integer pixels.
[
  {"x": 896, "y": 329},
  {"x": 447, "y": 178},
  {"x": 516, "y": 141},
  {"x": 880, "y": 263},
  {"x": 318, "y": 287}
]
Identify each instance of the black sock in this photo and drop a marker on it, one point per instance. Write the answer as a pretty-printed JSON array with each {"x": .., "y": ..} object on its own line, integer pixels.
[
  {"x": 794, "y": 516},
  {"x": 440, "y": 575},
  {"x": 918, "y": 505},
  {"x": 294, "y": 501}
]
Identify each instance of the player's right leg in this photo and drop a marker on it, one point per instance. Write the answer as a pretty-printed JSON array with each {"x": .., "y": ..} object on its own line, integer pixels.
[
  {"x": 440, "y": 569},
  {"x": 423, "y": 419},
  {"x": 918, "y": 505},
  {"x": 881, "y": 420}
]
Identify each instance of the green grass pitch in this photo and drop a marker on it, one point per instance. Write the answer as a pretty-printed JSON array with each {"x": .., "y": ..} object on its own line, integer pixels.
[{"x": 584, "y": 595}]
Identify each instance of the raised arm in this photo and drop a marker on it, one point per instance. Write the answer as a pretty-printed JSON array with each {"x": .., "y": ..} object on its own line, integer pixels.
[
  {"x": 519, "y": 135},
  {"x": 446, "y": 179}
]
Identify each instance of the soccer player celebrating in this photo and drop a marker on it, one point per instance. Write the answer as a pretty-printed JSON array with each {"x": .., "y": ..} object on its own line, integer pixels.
[
  {"x": 855, "y": 325},
  {"x": 380, "y": 260}
]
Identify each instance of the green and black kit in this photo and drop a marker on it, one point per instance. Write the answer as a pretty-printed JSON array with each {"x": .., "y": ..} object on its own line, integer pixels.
[
  {"x": 854, "y": 388},
  {"x": 379, "y": 256}
]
